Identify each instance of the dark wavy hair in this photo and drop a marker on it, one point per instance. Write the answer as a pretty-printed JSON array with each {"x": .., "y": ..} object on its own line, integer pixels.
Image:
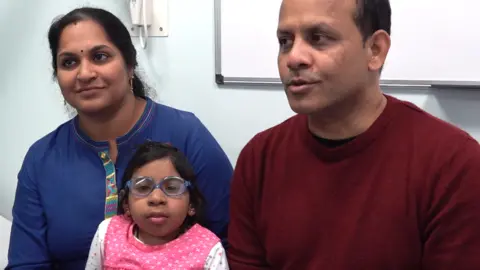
[{"x": 115, "y": 30}]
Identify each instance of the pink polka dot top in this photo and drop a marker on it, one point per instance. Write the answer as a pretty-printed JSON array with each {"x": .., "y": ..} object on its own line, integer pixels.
[{"x": 124, "y": 251}]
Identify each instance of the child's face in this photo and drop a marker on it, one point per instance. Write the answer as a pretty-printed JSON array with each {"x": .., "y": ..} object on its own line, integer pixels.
[{"x": 158, "y": 216}]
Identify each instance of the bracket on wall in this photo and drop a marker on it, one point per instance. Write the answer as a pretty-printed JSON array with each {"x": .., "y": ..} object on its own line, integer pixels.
[{"x": 159, "y": 26}]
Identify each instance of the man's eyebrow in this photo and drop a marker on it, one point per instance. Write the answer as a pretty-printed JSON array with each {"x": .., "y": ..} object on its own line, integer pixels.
[
  {"x": 323, "y": 27},
  {"x": 320, "y": 26}
]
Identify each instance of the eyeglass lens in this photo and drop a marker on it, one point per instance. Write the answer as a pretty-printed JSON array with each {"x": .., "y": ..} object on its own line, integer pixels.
[{"x": 170, "y": 185}]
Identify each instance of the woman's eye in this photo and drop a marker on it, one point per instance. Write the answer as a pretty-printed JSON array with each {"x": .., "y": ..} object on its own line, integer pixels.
[
  {"x": 100, "y": 57},
  {"x": 68, "y": 63}
]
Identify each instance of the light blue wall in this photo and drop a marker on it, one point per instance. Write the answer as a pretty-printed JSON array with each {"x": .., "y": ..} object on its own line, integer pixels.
[{"x": 181, "y": 69}]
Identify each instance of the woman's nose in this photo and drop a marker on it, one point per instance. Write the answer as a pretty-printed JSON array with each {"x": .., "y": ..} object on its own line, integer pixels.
[{"x": 85, "y": 72}]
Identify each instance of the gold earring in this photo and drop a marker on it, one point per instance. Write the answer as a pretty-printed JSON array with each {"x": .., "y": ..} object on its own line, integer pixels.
[{"x": 131, "y": 84}]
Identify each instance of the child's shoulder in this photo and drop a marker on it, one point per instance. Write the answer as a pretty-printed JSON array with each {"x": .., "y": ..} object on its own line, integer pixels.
[
  {"x": 112, "y": 220},
  {"x": 199, "y": 232},
  {"x": 103, "y": 226}
]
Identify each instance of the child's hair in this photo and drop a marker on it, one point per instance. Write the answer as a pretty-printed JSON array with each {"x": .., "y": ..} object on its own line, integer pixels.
[{"x": 151, "y": 151}]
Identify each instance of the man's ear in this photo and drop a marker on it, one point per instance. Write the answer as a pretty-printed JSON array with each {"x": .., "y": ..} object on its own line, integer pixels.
[{"x": 378, "y": 46}]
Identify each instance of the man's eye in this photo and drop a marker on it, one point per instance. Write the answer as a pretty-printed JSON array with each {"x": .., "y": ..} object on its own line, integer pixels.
[{"x": 284, "y": 42}]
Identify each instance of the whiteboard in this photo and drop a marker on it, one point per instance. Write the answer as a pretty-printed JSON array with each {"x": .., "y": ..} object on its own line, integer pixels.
[{"x": 434, "y": 42}]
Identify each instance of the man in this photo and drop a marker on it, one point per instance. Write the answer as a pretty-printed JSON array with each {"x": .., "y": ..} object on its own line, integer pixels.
[{"x": 357, "y": 179}]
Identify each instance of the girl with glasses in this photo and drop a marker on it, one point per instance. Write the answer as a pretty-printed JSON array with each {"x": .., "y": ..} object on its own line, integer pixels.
[{"x": 160, "y": 221}]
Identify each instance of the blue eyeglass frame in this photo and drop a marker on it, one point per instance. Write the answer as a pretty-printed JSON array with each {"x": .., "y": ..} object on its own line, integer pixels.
[{"x": 186, "y": 185}]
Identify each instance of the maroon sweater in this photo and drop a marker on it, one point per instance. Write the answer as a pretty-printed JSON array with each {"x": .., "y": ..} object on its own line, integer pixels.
[{"x": 405, "y": 195}]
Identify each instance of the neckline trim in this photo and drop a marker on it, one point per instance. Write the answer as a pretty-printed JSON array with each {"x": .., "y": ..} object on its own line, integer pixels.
[
  {"x": 136, "y": 242},
  {"x": 139, "y": 125},
  {"x": 359, "y": 143}
]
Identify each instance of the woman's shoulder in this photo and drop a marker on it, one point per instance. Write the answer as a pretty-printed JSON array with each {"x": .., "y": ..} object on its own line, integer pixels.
[
  {"x": 179, "y": 124},
  {"x": 175, "y": 115},
  {"x": 55, "y": 139}
]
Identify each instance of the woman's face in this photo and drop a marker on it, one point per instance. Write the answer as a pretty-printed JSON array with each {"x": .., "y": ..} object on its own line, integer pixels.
[{"x": 91, "y": 71}]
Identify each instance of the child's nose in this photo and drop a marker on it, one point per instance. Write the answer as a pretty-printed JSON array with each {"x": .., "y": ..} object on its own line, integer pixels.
[{"x": 157, "y": 197}]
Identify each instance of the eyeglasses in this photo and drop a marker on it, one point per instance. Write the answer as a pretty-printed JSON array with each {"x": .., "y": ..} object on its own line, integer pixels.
[{"x": 172, "y": 186}]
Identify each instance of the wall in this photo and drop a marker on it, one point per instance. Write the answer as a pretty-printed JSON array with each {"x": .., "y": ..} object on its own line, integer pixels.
[{"x": 180, "y": 67}]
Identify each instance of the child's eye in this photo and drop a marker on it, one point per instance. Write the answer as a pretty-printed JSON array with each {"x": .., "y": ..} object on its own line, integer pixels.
[
  {"x": 143, "y": 188},
  {"x": 172, "y": 188}
]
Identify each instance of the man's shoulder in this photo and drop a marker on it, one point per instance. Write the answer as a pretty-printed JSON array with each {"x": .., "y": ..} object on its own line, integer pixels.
[
  {"x": 271, "y": 143},
  {"x": 431, "y": 134},
  {"x": 424, "y": 123},
  {"x": 278, "y": 134}
]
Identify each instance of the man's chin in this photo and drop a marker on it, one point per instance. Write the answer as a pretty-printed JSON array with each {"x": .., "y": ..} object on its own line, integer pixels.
[{"x": 303, "y": 107}]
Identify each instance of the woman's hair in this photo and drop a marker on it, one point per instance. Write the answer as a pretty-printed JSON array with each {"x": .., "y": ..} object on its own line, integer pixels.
[
  {"x": 115, "y": 30},
  {"x": 151, "y": 151}
]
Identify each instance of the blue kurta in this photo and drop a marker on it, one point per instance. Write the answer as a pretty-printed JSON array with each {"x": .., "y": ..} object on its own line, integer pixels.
[{"x": 63, "y": 184}]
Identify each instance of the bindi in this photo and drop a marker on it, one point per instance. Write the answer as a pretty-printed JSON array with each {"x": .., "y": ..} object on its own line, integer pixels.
[{"x": 81, "y": 51}]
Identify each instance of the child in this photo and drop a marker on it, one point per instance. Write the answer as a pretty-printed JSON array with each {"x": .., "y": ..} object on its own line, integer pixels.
[{"x": 160, "y": 226}]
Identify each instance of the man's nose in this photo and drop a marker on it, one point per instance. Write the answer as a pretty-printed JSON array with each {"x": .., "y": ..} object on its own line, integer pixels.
[{"x": 299, "y": 57}]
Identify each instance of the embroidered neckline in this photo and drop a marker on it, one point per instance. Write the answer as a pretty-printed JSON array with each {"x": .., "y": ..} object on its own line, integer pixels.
[
  {"x": 139, "y": 125},
  {"x": 111, "y": 191}
]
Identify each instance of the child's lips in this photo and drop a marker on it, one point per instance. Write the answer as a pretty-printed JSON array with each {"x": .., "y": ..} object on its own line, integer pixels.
[{"x": 157, "y": 218}]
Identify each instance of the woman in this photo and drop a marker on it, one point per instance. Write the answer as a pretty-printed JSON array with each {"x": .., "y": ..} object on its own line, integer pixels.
[{"x": 68, "y": 181}]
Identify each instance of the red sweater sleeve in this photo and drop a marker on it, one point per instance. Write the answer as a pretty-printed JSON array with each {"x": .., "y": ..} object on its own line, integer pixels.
[
  {"x": 452, "y": 232},
  {"x": 245, "y": 249}
]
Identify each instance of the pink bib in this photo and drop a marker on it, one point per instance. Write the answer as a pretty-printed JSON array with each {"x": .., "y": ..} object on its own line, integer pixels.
[{"x": 123, "y": 251}]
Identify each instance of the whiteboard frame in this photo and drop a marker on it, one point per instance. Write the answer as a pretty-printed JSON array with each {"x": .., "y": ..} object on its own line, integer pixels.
[{"x": 222, "y": 80}]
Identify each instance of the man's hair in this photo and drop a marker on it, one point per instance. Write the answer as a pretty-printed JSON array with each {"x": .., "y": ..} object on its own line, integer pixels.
[{"x": 371, "y": 16}]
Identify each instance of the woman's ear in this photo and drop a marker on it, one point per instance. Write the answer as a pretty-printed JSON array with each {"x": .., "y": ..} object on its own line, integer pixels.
[{"x": 130, "y": 72}]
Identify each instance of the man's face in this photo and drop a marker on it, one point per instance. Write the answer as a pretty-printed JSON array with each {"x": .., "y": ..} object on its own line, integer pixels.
[{"x": 322, "y": 59}]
